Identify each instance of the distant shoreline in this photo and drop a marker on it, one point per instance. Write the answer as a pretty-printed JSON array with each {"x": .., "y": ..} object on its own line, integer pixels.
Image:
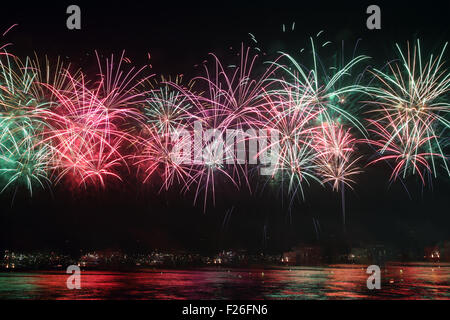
[{"x": 225, "y": 268}]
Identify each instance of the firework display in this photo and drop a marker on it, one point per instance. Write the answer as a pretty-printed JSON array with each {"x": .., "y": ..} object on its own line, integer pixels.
[
  {"x": 59, "y": 125},
  {"x": 411, "y": 113}
]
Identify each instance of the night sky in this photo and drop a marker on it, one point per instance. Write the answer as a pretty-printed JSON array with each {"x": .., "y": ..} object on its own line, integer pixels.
[{"x": 179, "y": 36}]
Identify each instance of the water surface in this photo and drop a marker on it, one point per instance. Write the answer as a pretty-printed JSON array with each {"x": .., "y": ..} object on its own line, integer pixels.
[{"x": 412, "y": 281}]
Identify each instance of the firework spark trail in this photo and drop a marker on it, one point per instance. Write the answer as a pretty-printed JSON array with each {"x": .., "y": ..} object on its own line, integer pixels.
[
  {"x": 411, "y": 113},
  {"x": 83, "y": 135},
  {"x": 48, "y": 74},
  {"x": 407, "y": 147},
  {"x": 233, "y": 94},
  {"x": 231, "y": 100},
  {"x": 299, "y": 107},
  {"x": 158, "y": 154},
  {"x": 327, "y": 91},
  {"x": 23, "y": 162},
  {"x": 165, "y": 112},
  {"x": 336, "y": 161},
  {"x": 290, "y": 115},
  {"x": 119, "y": 88},
  {"x": 57, "y": 124},
  {"x": 4, "y": 46},
  {"x": 166, "y": 106},
  {"x": 336, "y": 149},
  {"x": 86, "y": 134}
]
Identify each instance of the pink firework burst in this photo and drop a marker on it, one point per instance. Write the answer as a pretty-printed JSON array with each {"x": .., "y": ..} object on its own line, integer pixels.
[
  {"x": 84, "y": 136},
  {"x": 336, "y": 161}
]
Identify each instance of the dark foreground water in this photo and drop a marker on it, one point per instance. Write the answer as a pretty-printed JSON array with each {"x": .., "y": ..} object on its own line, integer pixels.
[{"x": 413, "y": 281}]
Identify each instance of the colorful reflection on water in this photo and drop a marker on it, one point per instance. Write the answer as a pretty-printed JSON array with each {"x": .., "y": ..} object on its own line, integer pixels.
[{"x": 413, "y": 281}]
